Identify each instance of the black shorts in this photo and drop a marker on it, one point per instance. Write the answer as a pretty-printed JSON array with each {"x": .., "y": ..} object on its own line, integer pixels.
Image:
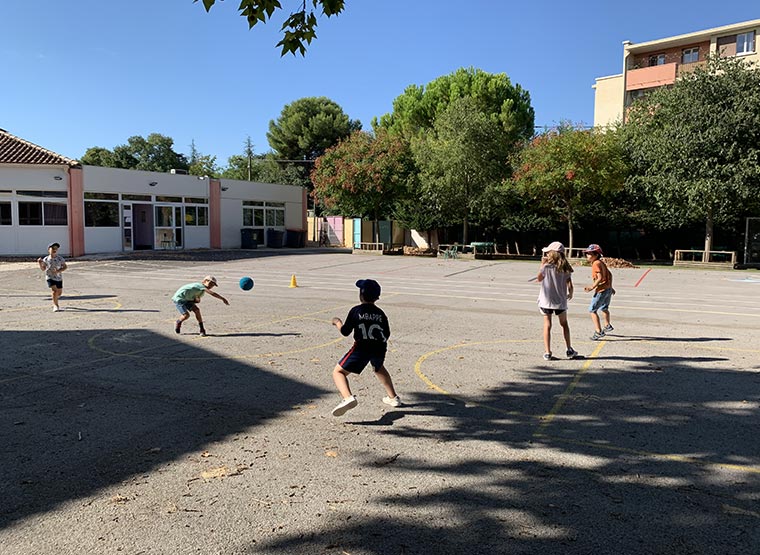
[
  {"x": 357, "y": 357},
  {"x": 550, "y": 311},
  {"x": 55, "y": 283}
]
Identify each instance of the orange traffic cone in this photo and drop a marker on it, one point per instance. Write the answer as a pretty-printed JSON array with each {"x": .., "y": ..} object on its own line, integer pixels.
[{"x": 293, "y": 281}]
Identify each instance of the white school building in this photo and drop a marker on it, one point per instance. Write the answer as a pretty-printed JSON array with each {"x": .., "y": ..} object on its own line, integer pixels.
[{"x": 46, "y": 197}]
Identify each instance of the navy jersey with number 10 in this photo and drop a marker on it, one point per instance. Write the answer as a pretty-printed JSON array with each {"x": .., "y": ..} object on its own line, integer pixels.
[{"x": 369, "y": 324}]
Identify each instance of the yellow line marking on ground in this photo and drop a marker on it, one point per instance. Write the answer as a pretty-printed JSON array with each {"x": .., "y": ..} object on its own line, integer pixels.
[
  {"x": 651, "y": 455},
  {"x": 548, "y": 417},
  {"x": 431, "y": 385},
  {"x": 138, "y": 353}
]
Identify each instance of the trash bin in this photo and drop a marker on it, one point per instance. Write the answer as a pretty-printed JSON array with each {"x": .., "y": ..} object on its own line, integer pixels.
[
  {"x": 248, "y": 239},
  {"x": 295, "y": 238},
  {"x": 274, "y": 238}
]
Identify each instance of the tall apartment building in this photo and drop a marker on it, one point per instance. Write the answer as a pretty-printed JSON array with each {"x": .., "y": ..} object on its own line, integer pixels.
[{"x": 658, "y": 63}]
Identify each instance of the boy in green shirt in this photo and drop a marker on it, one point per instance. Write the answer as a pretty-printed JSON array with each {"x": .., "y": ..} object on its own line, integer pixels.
[{"x": 188, "y": 296}]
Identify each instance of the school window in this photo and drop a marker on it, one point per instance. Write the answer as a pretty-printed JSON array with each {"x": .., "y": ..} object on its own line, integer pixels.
[
  {"x": 5, "y": 213},
  {"x": 42, "y": 213},
  {"x": 690, "y": 55},
  {"x": 253, "y": 213},
  {"x": 54, "y": 214},
  {"x": 101, "y": 214},
  {"x": 253, "y": 217},
  {"x": 46, "y": 194},
  {"x": 275, "y": 217},
  {"x": 745, "y": 43},
  {"x": 101, "y": 196},
  {"x": 196, "y": 215},
  {"x": 30, "y": 213}
]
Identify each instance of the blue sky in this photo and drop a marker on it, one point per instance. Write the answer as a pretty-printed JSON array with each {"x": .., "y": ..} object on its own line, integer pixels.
[{"x": 84, "y": 73}]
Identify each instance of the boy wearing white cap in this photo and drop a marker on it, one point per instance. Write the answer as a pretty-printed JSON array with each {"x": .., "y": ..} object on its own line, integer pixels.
[{"x": 186, "y": 300}]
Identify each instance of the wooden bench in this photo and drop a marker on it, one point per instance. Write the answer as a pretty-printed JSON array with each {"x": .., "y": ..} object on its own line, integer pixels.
[{"x": 696, "y": 257}]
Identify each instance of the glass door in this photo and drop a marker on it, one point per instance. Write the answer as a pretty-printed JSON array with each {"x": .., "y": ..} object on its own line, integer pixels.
[
  {"x": 127, "y": 234},
  {"x": 168, "y": 226}
]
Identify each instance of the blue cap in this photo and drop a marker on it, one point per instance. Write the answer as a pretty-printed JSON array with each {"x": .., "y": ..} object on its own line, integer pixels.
[{"x": 369, "y": 289}]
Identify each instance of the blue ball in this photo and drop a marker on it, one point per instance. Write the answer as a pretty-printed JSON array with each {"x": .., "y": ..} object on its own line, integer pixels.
[{"x": 246, "y": 283}]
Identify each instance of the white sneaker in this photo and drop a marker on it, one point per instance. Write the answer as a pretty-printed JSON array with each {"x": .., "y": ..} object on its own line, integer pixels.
[
  {"x": 345, "y": 405},
  {"x": 56, "y": 309},
  {"x": 392, "y": 401}
]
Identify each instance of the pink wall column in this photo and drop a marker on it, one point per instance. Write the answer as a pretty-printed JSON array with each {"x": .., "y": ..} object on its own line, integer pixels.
[
  {"x": 215, "y": 213},
  {"x": 76, "y": 211},
  {"x": 304, "y": 204}
]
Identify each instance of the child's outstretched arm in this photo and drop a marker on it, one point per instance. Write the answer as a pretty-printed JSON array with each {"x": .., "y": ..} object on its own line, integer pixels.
[
  {"x": 218, "y": 296},
  {"x": 41, "y": 264}
]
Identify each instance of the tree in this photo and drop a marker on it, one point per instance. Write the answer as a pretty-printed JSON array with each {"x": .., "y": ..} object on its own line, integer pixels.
[
  {"x": 564, "y": 169},
  {"x": 298, "y": 28},
  {"x": 155, "y": 153},
  {"x": 494, "y": 95},
  {"x": 695, "y": 146},
  {"x": 202, "y": 164},
  {"x": 98, "y": 156},
  {"x": 309, "y": 126},
  {"x": 364, "y": 175},
  {"x": 262, "y": 168},
  {"x": 464, "y": 153}
]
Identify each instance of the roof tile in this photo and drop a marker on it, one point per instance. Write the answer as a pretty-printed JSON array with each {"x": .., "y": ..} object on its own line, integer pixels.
[{"x": 14, "y": 150}]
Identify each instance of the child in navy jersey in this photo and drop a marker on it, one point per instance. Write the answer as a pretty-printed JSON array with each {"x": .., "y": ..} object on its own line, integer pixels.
[{"x": 371, "y": 332}]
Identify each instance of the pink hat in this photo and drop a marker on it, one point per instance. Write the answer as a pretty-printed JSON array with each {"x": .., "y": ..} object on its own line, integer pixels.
[
  {"x": 593, "y": 247},
  {"x": 555, "y": 246}
]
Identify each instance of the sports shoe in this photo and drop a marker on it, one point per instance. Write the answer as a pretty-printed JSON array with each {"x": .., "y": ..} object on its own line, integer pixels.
[
  {"x": 177, "y": 327},
  {"x": 56, "y": 309},
  {"x": 597, "y": 335},
  {"x": 547, "y": 356},
  {"x": 345, "y": 405},
  {"x": 571, "y": 353},
  {"x": 203, "y": 333},
  {"x": 607, "y": 328},
  {"x": 392, "y": 401}
]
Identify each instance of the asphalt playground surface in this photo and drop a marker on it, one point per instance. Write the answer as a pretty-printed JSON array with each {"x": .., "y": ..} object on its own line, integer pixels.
[{"x": 119, "y": 436}]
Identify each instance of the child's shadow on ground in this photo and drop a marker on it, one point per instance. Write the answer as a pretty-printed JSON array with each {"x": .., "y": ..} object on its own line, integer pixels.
[
  {"x": 252, "y": 334},
  {"x": 386, "y": 419}
]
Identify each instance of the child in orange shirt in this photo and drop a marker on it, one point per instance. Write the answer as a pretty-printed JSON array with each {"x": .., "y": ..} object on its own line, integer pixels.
[{"x": 602, "y": 289}]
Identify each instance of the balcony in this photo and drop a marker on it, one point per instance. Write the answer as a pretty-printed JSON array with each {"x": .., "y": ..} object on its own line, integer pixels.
[{"x": 650, "y": 77}]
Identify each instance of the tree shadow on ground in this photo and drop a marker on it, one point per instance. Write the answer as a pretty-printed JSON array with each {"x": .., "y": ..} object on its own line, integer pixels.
[
  {"x": 637, "y": 458},
  {"x": 74, "y": 423}
]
